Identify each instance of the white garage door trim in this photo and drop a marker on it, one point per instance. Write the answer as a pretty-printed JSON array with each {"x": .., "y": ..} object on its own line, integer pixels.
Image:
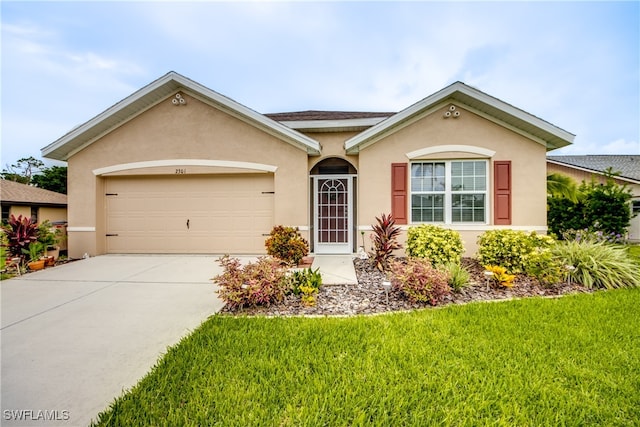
[{"x": 185, "y": 162}]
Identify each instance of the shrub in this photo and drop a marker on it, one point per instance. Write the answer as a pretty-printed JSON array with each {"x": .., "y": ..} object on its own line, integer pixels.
[
  {"x": 21, "y": 232},
  {"x": 286, "y": 244},
  {"x": 500, "y": 275},
  {"x": 305, "y": 282},
  {"x": 259, "y": 283},
  {"x": 439, "y": 245},
  {"x": 545, "y": 267},
  {"x": 385, "y": 241},
  {"x": 514, "y": 250},
  {"x": 419, "y": 280},
  {"x": 598, "y": 264},
  {"x": 600, "y": 207},
  {"x": 458, "y": 276}
]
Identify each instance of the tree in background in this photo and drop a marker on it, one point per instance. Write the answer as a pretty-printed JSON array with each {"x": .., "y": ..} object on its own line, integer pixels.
[
  {"x": 53, "y": 178},
  {"x": 562, "y": 186},
  {"x": 597, "y": 208},
  {"x": 32, "y": 171},
  {"x": 23, "y": 170}
]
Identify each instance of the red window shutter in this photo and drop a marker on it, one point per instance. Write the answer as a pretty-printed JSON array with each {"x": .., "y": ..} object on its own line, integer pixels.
[
  {"x": 502, "y": 192},
  {"x": 399, "y": 192}
]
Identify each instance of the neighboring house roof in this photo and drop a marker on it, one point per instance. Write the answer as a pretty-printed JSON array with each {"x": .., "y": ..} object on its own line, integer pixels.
[
  {"x": 627, "y": 165},
  {"x": 21, "y": 194},
  {"x": 326, "y": 115},
  {"x": 151, "y": 95},
  {"x": 491, "y": 108}
]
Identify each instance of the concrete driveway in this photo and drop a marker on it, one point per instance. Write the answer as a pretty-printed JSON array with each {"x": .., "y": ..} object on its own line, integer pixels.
[{"x": 76, "y": 336}]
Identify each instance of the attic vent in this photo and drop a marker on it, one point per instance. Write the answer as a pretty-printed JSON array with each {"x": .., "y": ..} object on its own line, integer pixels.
[
  {"x": 452, "y": 112},
  {"x": 178, "y": 100}
]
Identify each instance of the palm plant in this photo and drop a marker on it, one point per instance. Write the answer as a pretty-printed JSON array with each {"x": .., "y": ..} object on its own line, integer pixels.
[{"x": 562, "y": 186}]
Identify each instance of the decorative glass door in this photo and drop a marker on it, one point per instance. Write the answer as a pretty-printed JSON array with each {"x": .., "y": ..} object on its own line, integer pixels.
[{"x": 333, "y": 212}]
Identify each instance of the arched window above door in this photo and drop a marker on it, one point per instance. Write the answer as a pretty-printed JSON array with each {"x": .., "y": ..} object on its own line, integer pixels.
[{"x": 333, "y": 166}]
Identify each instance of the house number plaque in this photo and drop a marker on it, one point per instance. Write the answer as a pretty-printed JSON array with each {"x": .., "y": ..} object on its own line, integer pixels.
[{"x": 181, "y": 171}]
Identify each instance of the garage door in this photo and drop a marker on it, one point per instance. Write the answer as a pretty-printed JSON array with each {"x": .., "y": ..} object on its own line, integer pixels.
[{"x": 189, "y": 213}]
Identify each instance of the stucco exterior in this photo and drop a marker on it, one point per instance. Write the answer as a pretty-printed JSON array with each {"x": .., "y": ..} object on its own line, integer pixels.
[{"x": 206, "y": 135}]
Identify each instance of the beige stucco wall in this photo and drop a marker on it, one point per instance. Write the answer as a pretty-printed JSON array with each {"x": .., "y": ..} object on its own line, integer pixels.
[
  {"x": 527, "y": 160},
  {"x": 192, "y": 131},
  {"x": 17, "y": 210}
]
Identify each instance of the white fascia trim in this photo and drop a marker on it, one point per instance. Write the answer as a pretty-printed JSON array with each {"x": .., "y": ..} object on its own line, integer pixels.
[
  {"x": 185, "y": 162},
  {"x": 447, "y": 148},
  {"x": 332, "y": 124},
  {"x": 81, "y": 229}
]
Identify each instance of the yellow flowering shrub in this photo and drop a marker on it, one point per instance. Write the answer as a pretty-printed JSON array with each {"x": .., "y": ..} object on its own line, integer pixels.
[{"x": 439, "y": 245}]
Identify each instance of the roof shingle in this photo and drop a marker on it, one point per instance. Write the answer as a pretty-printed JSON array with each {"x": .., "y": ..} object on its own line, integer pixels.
[
  {"x": 627, "y": 165},
  {"x": 15, "y": 192}
]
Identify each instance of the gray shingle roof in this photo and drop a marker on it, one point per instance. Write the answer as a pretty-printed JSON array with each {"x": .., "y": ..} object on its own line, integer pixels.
[
  {"x": 627, "y": 165},
  {"x": 17, "y": 193}
]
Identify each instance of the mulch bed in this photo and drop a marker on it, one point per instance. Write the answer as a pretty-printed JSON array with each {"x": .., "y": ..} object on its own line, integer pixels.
[{"x": 368, "y": 296}]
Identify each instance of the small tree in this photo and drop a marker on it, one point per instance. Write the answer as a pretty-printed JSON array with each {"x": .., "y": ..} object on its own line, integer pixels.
[{"x": 599, "y": 207}]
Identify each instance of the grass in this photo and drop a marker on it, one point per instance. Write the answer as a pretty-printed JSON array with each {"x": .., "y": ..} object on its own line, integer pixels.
[
  {"x": 568, "y": 361},
  {"x": 634, "y": 252}
]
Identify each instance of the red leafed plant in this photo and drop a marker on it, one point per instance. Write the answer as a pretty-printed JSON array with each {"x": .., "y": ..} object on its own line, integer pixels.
[
  {"x": 419, "y": 280},
  {"x": 385, "y": 241},
  {"x": 259, "y": 283},
  {"x": 21, "y": 232}
]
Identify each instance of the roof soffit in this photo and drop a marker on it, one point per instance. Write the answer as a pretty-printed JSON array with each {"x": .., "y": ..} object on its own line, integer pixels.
[{"x": 154, "y": 93}]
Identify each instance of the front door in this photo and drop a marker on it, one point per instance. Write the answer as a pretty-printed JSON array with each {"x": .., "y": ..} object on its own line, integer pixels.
[{"x": 333, "y": 216}]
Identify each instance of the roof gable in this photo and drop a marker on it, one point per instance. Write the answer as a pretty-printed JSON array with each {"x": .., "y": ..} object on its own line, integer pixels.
[
  {"x": 17, "y": 193},
  {"x": 479, "y": 102},
  {"x": 152, "y": 94}
]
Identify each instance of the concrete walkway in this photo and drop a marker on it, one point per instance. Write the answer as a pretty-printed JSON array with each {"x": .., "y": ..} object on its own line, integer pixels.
[
  {"x": 75, "y": 336},
  {"x": 335, "y": 269}
]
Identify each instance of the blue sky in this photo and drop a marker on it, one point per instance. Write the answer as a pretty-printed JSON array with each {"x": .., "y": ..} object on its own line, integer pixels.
[{"x": 574, "y": 64}]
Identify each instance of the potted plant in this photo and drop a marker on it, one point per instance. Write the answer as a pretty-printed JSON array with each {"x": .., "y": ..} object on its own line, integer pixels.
[
  {"x": 35, "y": 252},
  {"x": 50, "y": 236}
]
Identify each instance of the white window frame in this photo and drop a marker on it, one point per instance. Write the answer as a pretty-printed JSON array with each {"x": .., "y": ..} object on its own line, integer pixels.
[{"x": 448, "y": 193}]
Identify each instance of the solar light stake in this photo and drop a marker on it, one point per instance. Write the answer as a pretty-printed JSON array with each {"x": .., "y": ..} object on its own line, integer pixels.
[{"x": 386, "y": 285}]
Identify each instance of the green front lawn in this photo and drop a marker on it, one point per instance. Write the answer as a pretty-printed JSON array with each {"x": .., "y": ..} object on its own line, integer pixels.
[{"x": 574, "y": 360}]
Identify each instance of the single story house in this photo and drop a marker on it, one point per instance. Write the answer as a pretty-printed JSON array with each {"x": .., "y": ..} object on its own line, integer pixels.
[
  {"x": 179, "y": 168},
  {"x": 588, "y": 167},
  {"x": 33, "y": 202}
]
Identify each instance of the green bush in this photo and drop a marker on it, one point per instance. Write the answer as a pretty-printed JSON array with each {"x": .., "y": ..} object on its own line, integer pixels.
[
  {"x": 598, "y": 208},
  {"x": 419, "y": 280},
  {"x": 286, "y": 244},
  {"x": 439, "y": 245},
  {"x": 598, "y": 265},
  {"x": 304, "y": 277},
  {"x": 517, "y": 251},
  {"x": 259, "y": 283}
]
